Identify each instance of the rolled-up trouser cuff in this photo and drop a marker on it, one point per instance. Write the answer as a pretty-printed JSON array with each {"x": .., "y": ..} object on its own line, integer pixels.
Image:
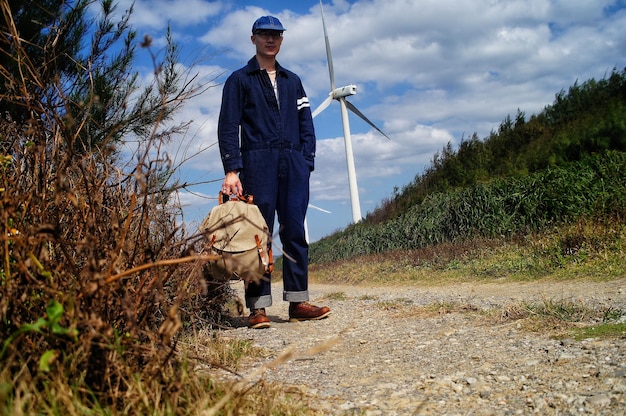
[
  {"x": 296, "y": 296},
  {"x": 264, "y": 301}
]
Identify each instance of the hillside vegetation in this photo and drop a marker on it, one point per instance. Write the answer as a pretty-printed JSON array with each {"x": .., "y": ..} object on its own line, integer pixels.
[{"x": 564, "y": 165}]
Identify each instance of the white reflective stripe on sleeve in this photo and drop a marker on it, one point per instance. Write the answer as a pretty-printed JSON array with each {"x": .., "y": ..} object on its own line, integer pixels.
[{"x": 303, "y": 103}]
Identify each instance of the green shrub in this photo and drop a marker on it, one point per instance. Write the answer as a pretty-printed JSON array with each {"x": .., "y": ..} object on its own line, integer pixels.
[{"x": 592, "y": 188}]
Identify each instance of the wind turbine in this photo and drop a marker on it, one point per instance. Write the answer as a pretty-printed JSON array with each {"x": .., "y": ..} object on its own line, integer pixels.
[{"x": 340, "y": 95}]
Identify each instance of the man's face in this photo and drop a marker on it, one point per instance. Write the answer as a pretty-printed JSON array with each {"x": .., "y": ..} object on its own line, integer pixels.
[{"x": 267, "y": 42}]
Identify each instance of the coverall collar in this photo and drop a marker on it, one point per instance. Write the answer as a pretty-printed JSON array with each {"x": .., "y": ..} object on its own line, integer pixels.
[{"x": 253, "y": 66}]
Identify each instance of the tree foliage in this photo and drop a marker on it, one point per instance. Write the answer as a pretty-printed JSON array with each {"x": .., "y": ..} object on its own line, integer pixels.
[{"x": 589, "y": 118}]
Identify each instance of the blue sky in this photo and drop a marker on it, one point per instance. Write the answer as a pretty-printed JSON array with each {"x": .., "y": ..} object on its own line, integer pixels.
[{"x": 427, "y": 73}]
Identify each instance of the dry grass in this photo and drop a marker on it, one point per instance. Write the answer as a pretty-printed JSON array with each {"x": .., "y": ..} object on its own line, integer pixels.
[
  {"x": 200, "y": 387},
  {"x": 247, "y": 393}
]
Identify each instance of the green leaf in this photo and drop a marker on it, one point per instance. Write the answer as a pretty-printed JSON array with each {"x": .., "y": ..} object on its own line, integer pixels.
[
  {"x": 55, "y": 311},
  {"x": 47, "y": 359},
  {"x": 36, "y": 327},
  {"x": 59, "y": 330}
]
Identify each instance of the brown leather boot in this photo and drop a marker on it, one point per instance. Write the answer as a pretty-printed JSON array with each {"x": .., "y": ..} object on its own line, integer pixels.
[
  {"x": 258, "y": 319},
  {"x": 304, "y": 311}
]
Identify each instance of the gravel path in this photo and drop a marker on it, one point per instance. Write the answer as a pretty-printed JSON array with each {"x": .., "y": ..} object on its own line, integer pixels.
[{"x": 388, "y": 358}]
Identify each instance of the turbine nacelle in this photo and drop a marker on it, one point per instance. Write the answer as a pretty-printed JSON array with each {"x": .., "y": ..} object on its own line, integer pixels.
[{"x": 341, "y": 92}]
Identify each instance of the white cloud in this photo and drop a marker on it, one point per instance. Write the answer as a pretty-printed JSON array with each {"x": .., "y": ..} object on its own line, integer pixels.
[{"x": 157, "y": 14}]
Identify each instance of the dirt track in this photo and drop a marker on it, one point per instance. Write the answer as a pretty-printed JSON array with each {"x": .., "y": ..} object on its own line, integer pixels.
[{"x": 386, "y": 358}]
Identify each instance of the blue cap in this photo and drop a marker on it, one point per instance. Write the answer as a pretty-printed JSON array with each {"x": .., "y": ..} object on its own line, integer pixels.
[{"x": 267, "y": 23}]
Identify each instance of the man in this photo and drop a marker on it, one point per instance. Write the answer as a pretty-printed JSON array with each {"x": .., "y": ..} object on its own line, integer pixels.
[{"x": 266, "y": 104}]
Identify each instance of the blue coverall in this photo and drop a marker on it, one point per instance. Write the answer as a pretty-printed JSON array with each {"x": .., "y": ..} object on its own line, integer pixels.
[{"x": 275, "y": 158}]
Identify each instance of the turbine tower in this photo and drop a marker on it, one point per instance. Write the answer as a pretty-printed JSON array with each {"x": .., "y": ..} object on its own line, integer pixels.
[{"x": 340, "y": 95}]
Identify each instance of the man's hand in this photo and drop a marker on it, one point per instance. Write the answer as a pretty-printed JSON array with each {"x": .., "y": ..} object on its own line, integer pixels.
[{"x": 232, "y": 184}]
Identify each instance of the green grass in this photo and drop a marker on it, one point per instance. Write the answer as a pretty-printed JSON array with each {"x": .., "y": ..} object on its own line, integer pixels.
[
  {"x": 499, "y": 208},
  {"x": 604, "y": 330},
  {"x": 586, "y": 250}
]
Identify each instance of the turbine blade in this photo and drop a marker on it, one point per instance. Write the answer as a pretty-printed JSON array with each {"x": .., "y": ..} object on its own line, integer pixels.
[
  {"x": 356, "y": 111},
  {"x": 329, "y": 56},
  {"x": 320, "y": 209},
  {"x": 323, "y": 106}
]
